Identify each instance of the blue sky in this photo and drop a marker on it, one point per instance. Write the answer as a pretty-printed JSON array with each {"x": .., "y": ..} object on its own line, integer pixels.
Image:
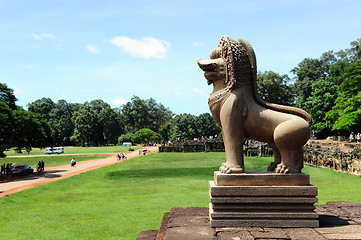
[{"x": 111, "y": 50}]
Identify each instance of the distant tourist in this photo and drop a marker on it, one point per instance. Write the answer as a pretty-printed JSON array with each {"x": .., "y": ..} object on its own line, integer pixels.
[
  {"x": 358, "y": 137},
  {"x": 118, "y": 157},
  {"x": 42, "y": 166},
  {"x": 39, "y": 167},
  {"x": 352, "y": 137},
  {"x": 72, "y": 162},
  {"x": 125, "y": 156}
]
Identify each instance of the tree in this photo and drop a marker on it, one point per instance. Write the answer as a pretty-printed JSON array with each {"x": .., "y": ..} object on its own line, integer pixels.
[
  {"x": 87, "y": 126},
  {"x": 310, "y": 71},
  {"x": 125, "y": 138},
  {"x": 139, "y": 113},
  {"x": 207, "y": 126},
  {"x": 145, "y": 135},
  {"x": 61, "y": 122},
  {"x": 184, "y": 127},
  {"x": 7, "y": 96},
  {"x": 110, "y": 122},
  {"x": 346, "y": 114},
  {"x": 20, "y": 128},
  {"x": 5, "y": 126},
  {"x": 43, "y": 107},
  {"x": 321, "y": 101},
  {"x": 29, "y": 130},
  {"x": 355, "y": 51},
  {"x": 274, "y": 88}
]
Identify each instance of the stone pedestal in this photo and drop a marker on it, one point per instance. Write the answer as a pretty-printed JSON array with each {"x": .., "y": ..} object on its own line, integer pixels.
[{"x": 262, "y": 199}]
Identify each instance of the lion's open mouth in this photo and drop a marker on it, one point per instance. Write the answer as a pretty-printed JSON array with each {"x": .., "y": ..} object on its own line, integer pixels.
[{"x": 207, "y": 65}]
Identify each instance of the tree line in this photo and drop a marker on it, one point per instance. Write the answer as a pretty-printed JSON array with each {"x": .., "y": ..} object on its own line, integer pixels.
[
  {"x": 95, "y": 123},
  {"x": 327, "y": 87}
]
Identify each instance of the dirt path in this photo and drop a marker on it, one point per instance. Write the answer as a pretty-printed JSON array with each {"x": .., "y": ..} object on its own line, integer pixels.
[{"x": 52, "y": 174}]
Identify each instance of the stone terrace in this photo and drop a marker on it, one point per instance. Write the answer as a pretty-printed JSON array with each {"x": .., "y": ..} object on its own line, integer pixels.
[{"x": 338, "y": 220}]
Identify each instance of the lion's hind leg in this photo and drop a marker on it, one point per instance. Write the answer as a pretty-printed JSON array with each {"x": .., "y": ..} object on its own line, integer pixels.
[{"x": 289, "y": 137}]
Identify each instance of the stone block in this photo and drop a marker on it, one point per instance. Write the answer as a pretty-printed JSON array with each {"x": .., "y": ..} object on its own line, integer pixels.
[
  {"x": 242, "y": 234},
  {"x": 264, "y": 200},
  {"x": 263, "y": 215},
  {"x": 147, "y": 235},
  {"x": 263, "y": 207},
  {"x": 261, "y": 179},
  {"x": 269, "y": 234},
  {"x": 341, "y": 232},
  {"x": 271, "y": 223},
  {"x": 303, "y": 234},
  {"x": 163, "y": 227},
  {"x": 269, "y": 191}
]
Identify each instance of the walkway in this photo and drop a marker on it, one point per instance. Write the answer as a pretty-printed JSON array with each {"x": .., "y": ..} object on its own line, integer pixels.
[{"x": 60, "y": 172}]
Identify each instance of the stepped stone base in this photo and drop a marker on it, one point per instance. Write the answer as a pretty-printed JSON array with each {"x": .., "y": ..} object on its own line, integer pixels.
[{"x": 262, "y": 199}]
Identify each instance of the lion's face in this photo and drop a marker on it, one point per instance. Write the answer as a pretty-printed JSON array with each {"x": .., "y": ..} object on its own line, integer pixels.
[{"x": 214, "y": 68}]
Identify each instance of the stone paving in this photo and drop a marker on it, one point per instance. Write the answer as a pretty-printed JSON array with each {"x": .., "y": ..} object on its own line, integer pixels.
[{"x": 338, "y": 220}]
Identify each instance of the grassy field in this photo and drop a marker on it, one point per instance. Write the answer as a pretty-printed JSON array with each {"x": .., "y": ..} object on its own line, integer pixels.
[
  {"x": 74, "y": 150},
  {"x": 52, "y": 160},
  {"x": 120, "y": 200}
]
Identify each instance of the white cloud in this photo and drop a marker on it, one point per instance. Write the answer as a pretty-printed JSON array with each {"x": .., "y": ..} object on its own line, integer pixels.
[
  {"x": 196, "y": 44},
  {"x": 194, "y": 92},
  {"x": 59, "y": 46},
  {"x": 17, "y": 91},
  {"x": 37, "y": 37},
  {"x": 43, "y": 35},
  {"x": 92, "y": 49},
  {"x": 29, "y": 67},
  {"x": 119, "y": 101},
  {"x": 47, "y": 35},
  {"x": 146, "y": 48},
  {"x": 197, "y": 91}
]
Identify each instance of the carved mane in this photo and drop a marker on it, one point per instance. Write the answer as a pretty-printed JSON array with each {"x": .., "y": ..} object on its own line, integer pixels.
[{"x": 241, "y": 71}]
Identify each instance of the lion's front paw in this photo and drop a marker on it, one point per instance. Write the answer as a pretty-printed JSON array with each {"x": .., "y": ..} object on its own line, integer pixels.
[{"x": 230, "y": 168}]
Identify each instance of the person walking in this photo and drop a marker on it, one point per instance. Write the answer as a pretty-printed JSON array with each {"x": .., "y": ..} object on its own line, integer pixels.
[
  {"x": 352, "y": 137},
  {"x": 72, "y": 162},
  {"x": 38, "y": 169}
]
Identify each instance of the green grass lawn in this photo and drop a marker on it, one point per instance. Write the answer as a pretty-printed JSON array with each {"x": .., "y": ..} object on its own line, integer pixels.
[
  {"x": 74, "y": 150},
  {"x": 120, "y": 200},
  {"x": 52, "y": 160}
]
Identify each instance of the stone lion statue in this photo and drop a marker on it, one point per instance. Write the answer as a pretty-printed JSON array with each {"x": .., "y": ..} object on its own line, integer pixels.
[{"x": 241, "y": 113}]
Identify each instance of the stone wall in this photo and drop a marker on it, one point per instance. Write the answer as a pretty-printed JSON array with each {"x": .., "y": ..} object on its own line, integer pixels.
[
  {"x": 215, "y": 145},
  {"x": 251, "y": 148},
  {"x": 333, "y": 158},
  {"x": 318, "y": 154}
]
